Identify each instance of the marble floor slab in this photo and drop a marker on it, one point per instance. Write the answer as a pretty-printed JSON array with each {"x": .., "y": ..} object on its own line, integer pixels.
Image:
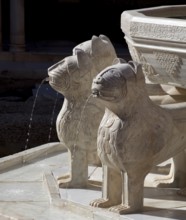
[{"x": 29, "y": 191}]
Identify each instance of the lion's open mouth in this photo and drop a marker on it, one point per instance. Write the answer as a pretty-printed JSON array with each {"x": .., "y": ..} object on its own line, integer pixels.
[
  {"x": 102, "y": 95},
  {"x": 51, "y": 79},
  {"x": 55, "y": 82},
  {"x": 95, "y": 93}
]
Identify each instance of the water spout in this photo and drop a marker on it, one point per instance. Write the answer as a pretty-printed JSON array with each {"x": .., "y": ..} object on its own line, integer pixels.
[
  {"x": 52, "y": 117},
  {"x": 32, "y": 113},
  {"x": 79, "y": 124},
  {"x": 47, "y": 79}
]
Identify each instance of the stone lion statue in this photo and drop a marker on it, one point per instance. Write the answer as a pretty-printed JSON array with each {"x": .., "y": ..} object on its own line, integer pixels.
[
  {"x": 134, "y": 135},
  {"x": 79, "y": 118}
]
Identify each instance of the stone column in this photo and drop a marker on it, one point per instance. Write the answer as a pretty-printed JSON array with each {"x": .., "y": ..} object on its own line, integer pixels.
[
  {"x": 0, "y": 27},
  {"x": 17, "y": 29}
]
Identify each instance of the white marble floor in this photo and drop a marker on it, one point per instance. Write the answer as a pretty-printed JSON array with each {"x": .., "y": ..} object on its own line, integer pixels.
[{"x": 28, "y": 191}]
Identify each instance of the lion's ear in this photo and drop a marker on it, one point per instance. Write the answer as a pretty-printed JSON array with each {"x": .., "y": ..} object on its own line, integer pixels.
[
  {"x": 96, "y": 43},
  {"x": 75, "y": 50},
  {"x": 118, "y": 60},
  {"x": 133, "y": 65},
  {"x": 104, "y": 37},
  {"x": 137, "y": 68},
  {"x": 83, "y": 61}
]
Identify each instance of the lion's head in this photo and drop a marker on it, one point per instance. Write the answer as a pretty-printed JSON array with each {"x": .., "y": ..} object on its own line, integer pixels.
[
  {"x": 70, "y": 73},
  {"x": 118, "y": 81},
  {"x": 100, "y": 51}
]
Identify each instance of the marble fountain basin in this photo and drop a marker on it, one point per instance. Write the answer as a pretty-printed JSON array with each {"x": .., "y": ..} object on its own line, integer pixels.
[{"x": 156, "y": 37}]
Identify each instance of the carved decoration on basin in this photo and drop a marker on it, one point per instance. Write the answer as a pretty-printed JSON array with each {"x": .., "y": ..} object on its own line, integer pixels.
[
  {"x": 158, "y": 31},
  {"x": 160, "y": 36},
  {"x": 170, "y": 62},
  {"x": 139, "y": 57}
]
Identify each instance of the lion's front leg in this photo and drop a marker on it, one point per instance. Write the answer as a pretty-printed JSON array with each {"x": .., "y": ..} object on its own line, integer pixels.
[
  {"x": 78, "y": 176},
  {"x": 111, "y": 189},
  {"x": 132, "y": 191}
]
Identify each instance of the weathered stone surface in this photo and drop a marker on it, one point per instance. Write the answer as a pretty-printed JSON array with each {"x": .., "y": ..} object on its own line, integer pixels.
[
  {"x": 134, "y": 135},
  {"x": 79, "y": 118},
  {"x": 156, "y": 38}
]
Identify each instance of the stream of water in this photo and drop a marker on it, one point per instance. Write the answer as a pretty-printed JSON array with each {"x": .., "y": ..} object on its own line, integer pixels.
[
  {"x": 52, "y": 117},
  {"x": 78, "y": 126},
  {"x": 32, "y": 115}
]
